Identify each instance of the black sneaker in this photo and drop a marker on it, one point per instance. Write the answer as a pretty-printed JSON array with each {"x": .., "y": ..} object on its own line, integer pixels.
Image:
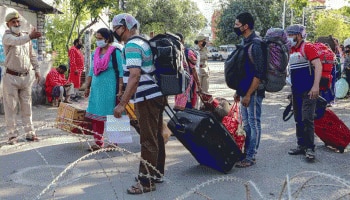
[
  {"x": 297, "y": 151},
  {"x": 310, "y": 154}
]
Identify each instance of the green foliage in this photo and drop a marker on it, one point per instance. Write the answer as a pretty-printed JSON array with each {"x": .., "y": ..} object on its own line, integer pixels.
[
  {"x": 297, "y": 6},
  {"x": 57, "y": 30},
  {"x": 62, "y": 29},
  {"x": 266, "y": 14},
  {"x": 332, "y": 23},
  {"x": 164, "y": 15},
  {"x": 154, "y": 15}
]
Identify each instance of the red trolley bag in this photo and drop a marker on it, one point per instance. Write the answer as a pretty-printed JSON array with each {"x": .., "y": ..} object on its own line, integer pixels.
[{"x": 332, "y": 131}]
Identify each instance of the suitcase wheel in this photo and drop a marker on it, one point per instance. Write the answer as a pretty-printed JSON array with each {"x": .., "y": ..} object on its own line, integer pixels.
[{"x": 341, "y": 149}]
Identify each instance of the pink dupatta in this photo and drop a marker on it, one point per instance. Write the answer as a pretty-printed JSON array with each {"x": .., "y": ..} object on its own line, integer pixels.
[{"x": 101, "y": 64}]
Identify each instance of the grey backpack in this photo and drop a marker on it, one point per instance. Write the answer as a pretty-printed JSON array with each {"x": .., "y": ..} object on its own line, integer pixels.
[{"x": 276, "y": 48}]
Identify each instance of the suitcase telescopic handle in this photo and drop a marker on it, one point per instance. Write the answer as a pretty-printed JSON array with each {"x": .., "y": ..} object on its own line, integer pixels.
[{"x": 170, "y": 112}]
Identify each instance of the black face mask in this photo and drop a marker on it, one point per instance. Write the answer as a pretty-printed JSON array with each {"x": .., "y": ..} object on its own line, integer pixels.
[
  {"x": 203, "y": 44},
  {"x": 238, "y": 31},
  {"x": 347, "y": 51},
  {"x": 119, "y": 38},
  {"x": 79, "y": 46}
]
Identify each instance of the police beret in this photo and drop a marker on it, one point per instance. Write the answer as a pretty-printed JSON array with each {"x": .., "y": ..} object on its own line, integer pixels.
[{"x": 11, "y": 15}]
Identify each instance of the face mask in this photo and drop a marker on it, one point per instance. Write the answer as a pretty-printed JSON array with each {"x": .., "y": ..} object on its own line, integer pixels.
[
  {"x": 79, "y": 46},
  {"x": 292, "y": 42},
  {"x": 118, "y": 37},
  {"x": 238, "y": 31},
  {"x": 203, "y": 44},
  {"x": 101, "y": 43},
  {"x": 16, "y": 30}
]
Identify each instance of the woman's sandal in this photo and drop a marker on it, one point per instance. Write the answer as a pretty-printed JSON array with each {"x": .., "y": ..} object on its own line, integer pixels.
[{"x": 138, "y": 188}]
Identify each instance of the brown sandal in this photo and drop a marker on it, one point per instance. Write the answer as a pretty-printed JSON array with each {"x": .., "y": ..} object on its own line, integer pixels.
[
  {"x": 138, "y": 188},
  {"x": 33, "y": 139},
  {"x": 12, "y": 140}
]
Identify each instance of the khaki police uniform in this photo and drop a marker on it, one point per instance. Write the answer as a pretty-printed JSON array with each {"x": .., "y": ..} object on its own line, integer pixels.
[
  {"x": 18, "y": 80},
  {"x": 204, "y": 69}
]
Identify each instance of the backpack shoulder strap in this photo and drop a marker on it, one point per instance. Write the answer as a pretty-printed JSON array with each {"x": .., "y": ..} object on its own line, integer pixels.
[
  {"x": 288, "y": 112},
  {"x": 303, "y": 49},
  {"x": 115, "y": 65},
  {"x": 115, "y": 62},
  {"x": 304, "y": 55},
  {"x": 250, "y": 45},
  {"x": 138, "y": 37}
]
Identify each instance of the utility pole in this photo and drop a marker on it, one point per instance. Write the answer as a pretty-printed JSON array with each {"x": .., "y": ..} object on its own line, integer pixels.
[
  {"x": 303, "y": 22},
  {"x": 284, "y": 14}
]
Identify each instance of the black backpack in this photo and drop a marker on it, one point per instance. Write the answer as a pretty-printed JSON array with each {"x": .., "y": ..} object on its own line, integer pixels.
[
  {"x": 234, "y": 66},
  {"x": 168, "y": 58}
]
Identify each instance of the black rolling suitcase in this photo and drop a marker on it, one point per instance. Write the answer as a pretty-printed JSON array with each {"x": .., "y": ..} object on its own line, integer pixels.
[{"x": 206, "y": 138}]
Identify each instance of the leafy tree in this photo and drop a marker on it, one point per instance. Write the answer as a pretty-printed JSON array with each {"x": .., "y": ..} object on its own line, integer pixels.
[
  {"x": 154, "y": 15},
  {"x": 57, "y": 30},
  {"x": 338, "y": 28},
  {"x": 266, "y": 14},
  {"x": 298, "y": 5},
  {"x": 85, "y": 8},
  {"x": 62, "y": 29},
  {"x": 164, "y": 15}
]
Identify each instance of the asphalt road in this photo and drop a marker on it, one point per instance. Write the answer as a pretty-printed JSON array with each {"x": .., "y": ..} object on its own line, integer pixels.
[{"x": 60, "y": 167}]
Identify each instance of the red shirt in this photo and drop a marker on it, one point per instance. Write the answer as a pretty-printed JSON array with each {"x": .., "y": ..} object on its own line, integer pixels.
[
  {"x": 309, "y": 51},
  {"x": 302, "y": 77},
  {"x": 76, "y": 59},
  {"x": 53, "y": 78}
]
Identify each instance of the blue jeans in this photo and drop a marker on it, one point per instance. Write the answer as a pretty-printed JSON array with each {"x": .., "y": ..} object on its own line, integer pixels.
[{"x": 252, "y": 125}]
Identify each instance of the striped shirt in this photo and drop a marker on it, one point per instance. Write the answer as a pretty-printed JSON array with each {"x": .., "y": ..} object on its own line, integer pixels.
[{"x": 138, "y": 54}]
